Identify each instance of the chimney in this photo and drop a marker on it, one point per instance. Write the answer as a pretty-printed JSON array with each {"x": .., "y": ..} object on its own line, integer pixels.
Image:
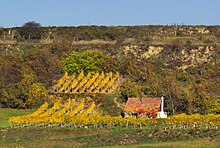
[
  {"x": 162, "y": 114},
  {"x": 162, "y": 104}
]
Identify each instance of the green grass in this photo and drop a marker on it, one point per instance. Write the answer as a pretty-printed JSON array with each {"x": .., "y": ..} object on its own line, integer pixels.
[
  {"x": 81, "y": 137},
  {"x": 5, "y": 113},
  {"x": 195, "y": 143}
]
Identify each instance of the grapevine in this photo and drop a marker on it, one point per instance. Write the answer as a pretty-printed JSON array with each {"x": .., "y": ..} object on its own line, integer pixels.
[
  {"x": 20, "y": 119},
  {"x": 52, "y": 110},
  {"x": 88, "y": 117},
  {"x": 61, "y": 81},
  {"x": 90, "y": 83},
  {"x": 83, "y": 82}
]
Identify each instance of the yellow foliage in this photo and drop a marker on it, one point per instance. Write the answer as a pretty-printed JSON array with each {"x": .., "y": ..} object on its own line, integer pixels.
[
  {"x": 90, "y": 83},
  {"x": 59, "y": 114}
]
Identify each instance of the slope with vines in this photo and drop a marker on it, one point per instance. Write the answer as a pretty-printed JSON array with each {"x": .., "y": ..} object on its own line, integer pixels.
[
  {"x": 90, "y": 83},
  {"x": 63, "y": 115}
]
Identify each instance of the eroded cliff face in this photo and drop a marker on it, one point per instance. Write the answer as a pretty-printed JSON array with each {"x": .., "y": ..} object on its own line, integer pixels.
[
  {"x": 196, "y": 56},
  {"x": 179, "y": 57}
]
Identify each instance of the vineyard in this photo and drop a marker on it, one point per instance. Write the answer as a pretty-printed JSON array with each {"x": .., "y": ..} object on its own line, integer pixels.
[
  {"x": 90, "y": 83},
  {"x": 69, "y": 115}
]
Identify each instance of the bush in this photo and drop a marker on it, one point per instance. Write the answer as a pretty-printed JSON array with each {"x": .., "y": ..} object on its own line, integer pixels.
[
  {"x": 31, "y": 30},
  {"x": 87, "y": 61}
]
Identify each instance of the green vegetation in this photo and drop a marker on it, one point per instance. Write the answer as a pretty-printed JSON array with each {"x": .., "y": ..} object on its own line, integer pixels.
[
  {"x": 200, "y": 143},
  {"x": 31, "y": 30},
  {"x": 5, "y": 113},
  {"x": 66, "y": 137},
  {"x": 87, "y": 61}
]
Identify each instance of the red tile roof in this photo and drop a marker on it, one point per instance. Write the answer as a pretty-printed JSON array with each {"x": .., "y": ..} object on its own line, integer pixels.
[{"x": 145, "y": 104}]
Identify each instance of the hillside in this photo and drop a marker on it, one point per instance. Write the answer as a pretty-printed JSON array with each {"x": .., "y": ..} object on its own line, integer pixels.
[{"x": 178, "y": 62}]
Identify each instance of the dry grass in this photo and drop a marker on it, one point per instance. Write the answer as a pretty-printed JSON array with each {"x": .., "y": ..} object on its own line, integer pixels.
[{"x": 84, "y": 42}]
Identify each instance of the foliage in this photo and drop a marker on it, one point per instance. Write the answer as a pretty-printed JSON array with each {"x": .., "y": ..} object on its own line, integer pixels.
[
  {"x": 31, "y": 30},
  {"x": 108, "y": 105},
  {"x": 37, "y": 93},
  {"x": 129, "y": 90},
  {"x": 81, "y": 117},
  {"x": 87, "y": 61},
  {"x": 25, "y": 93},
  {"x": 21, "y": 73},
  {"x": 90, "y": 83}
]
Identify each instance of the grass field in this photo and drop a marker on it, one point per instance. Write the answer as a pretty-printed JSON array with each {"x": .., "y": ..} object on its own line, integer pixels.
[
  {"x": 102, "y": 137},
  {"x": 5, "y": 113},
  {"x": 198, "y": 143},
  {"x": 66, "y": 137}
]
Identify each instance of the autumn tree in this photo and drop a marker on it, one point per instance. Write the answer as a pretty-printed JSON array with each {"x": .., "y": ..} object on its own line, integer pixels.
[
  {"x": 21, "y": 74},
  {"x": 176, "y": 100},
  {"x": 37, "y": 94},
  {"x": 24, "y": 94},
  {"x": 45, "y": 65}
]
